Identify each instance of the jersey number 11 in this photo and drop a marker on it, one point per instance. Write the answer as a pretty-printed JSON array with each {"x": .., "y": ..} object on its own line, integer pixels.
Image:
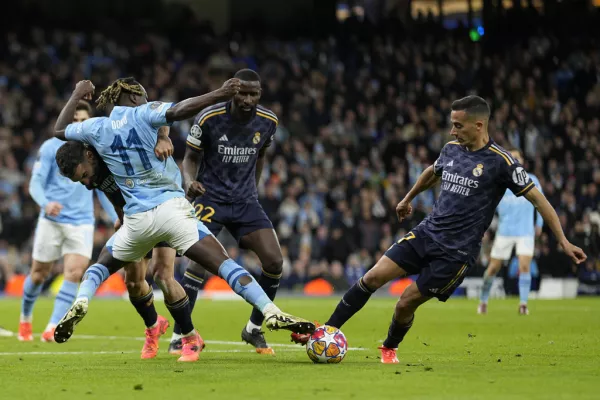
[{"x": 133, "y": 142}]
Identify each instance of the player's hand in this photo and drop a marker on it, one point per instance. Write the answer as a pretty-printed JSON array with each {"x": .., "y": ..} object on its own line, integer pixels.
[
  {"x": 53, "y": 208},
  {"x": 84, "y": 90},
  {"x": 538, "y": 231},
  {"x": 195, "y": 189},
  {"x": 118, "y": 224},
  {"x": 403, "y": 210},
  {"x": 576, "y": 254},
  {"x": 230, "y": 88},
  {"x": 164, "y": 148}
]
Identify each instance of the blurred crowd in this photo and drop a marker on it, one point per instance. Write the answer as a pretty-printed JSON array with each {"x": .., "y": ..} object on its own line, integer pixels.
[{"x": 361, "y": 116}]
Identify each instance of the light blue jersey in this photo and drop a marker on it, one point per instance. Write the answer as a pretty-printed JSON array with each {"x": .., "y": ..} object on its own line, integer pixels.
[
  {"x": 47, "y": 185},
  {"x": 125, "y": 140},
  {"x": 516, "y": 215}
]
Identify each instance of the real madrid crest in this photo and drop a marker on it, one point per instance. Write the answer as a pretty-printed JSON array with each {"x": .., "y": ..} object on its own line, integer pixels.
[
  {"x": 256, "y": 139},
  {"x": 478, "y": 170}
]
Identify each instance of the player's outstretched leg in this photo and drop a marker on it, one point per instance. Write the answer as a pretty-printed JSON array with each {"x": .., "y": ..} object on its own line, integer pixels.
[
  {"x": 141, "y": 297},
  {"x": 31, "y": 291},
  {"x": 402, "y": 321},
  {"x": 214, "y": 258},
  {"x": 75, "y": 265},
  {"x": 92, "y": 279},
  {"x": 488, "y": 279},
  {"x": 359, "y": 294},
  {"x": 265, "y": 245},
  {"x": 524, "y": 283}
]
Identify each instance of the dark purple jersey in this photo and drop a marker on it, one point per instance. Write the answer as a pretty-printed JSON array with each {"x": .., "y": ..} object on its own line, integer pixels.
[
  {"x": 230, "y": 151},
  {"x": 472, "y": 184}
]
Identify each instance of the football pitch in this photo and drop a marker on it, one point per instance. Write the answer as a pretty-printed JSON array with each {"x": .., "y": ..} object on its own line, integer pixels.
[{"x": 451, "y": 353}]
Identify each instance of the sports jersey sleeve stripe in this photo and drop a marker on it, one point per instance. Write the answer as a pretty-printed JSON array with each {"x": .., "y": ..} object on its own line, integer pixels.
[
  {"x": 208, "y": 110},
  {"x": 210, "y": 115},
  {"x": 268, "y": 112},
  {"x": 502, "y": 155},
  {"x": 526, "y": 189},
  {"x": 260, "y": 114},
  {"x": 453, "y": 142},
  {"x": 506, "y": 153},
  {"x": 193, "y": 146}
]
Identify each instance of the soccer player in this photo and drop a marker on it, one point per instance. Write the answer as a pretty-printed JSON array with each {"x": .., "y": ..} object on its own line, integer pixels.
[
  {"x": 163, "y": 257},
  {"x": 516, "y": 229},
  {"x": 156, "y": 209},
  {"x": 474, "y": 174},
  {"x": 229, "y": 140},
  {"x": 65, "y": 228}
]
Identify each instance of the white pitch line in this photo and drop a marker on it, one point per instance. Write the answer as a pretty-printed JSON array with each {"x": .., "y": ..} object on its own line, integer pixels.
[
  {"x": 66, "y": 353},
  {"x": 227, "y": 343}
]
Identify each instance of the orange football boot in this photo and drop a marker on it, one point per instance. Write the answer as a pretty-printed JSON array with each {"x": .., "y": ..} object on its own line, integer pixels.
[
  {"x": 192, "y": 346},
  {"x": 25, "y": 332},
  {"x": 388, "y": 356},
  {"x": 153, "y": 336}
]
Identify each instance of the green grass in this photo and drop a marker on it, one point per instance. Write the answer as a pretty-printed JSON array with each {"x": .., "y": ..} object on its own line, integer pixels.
[{"x": 451, "y": 353}]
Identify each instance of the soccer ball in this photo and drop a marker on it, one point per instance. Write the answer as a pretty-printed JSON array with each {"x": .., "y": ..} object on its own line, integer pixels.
[{"x": 327, "y": 345}]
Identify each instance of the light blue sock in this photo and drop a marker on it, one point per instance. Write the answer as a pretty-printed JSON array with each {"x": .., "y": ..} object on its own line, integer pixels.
[
  {"x": 64, "y": 299},
  {"x": 252, "y": 292},
  {"x": 93, "y": 278},
  {"x": 486, "y": 288},
  {"x": 524, "y": 286},
  {"x": 31, "y": 291}
]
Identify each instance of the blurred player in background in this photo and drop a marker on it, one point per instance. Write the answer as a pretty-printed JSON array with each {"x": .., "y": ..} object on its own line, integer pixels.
[
  {"x": 156, "y": 209},
  {"x": 65, "y": 228},
  {"x": 474, "y": 174},
  {"x": 516, "y": 230},
  {"x": 222, "y": 167}
]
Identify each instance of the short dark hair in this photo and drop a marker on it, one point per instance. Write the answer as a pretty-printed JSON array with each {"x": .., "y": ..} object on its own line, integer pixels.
[
  {"x": 85, "y": 106},
  {"x": 247, "y": 75},
  {"x": 472, "y": 105},
  {"x": 69, "y": 156}
]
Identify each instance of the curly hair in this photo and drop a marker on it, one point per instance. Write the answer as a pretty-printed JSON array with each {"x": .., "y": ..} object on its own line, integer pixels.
[
  {"x": 69, "y": 156},
  {"x": 111, "y": 94}
]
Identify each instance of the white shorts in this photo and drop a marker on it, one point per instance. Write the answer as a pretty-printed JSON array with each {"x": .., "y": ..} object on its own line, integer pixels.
[
  {"x": 503, "y": 246},
  {"x": 173, "y": 222},
  {"x": 53, "y": 240}
]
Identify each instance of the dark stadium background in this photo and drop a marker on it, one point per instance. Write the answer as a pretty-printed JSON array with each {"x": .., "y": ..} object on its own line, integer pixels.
[{"x": 362, "y": 94}]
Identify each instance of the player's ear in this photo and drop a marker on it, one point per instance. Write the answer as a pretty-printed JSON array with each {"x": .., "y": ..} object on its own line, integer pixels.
[{"x": 134, "y": 98}]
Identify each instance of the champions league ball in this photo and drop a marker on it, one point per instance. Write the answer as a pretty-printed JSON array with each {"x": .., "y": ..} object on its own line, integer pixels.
[{"x": 327, "y": 345}]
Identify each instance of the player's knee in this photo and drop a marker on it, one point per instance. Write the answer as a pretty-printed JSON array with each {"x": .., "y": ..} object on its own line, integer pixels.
[
  {"x": 273, "y": 266},
  {"x": 162, "y": 273},
  {"x": 74, "y": 274},
  {"x": 135, "y": 287},
  {"x": 40, "y": 272},
  {"x": 373, "y": 280},
  {"x": 39, "y": 277}
]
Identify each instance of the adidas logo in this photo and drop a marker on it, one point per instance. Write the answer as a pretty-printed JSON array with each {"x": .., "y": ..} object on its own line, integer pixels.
[
  {"x": 223, "y": 138},
  {"x": 451, "y": 163}
]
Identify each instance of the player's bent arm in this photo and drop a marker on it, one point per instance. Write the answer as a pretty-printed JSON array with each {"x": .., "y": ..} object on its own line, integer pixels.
[
  {"x": 190, "y": 107},
  {"x": 547, "y": 212},
  {"x": 260, "y": 163},
  {"x": 427, "y": 180},
  {"x": 65, "y": 118},
  {"x": 108, "y": 206},
  {"x": 36, "y": 190},
  {"x": 191, "y": 164},
  {"x": 83, "y": 90}
]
